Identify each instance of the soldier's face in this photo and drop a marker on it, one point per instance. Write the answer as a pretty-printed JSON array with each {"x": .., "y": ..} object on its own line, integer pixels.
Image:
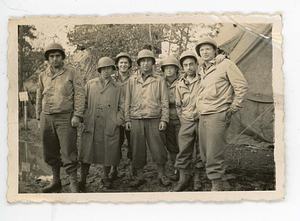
[
  {"x": 146, "y": 64},
  {"x": 189, "y": 66},
  {"x": 123, "y": 65},
  {"x": 207, "y": 52},
  {"x": 170, "y": 71},
  {"x": 55, "y": 59},
  {"x": 106, "y": 72}
]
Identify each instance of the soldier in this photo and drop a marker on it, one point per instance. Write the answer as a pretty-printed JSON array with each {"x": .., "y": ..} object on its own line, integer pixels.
[
  {"x": 186, "y": 93},
  {"x": 146, "y": 116},
  {"x": 123, "y": 63},
  {"x": 103, "y": 117},
  {"x": 223, "y": 88},
  {"x": 60, "y": 106},
  {"x": 170, "y": 66}
]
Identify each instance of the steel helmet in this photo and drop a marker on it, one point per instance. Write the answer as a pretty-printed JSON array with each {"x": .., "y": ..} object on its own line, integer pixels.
[
  {"x": 206, "y": 40},
  {"x": 54, "y": 47},
  {"x": 187, "y": 54},
  {"x": 169, "y": 61},
  {"x": 105, "y": 62},
  {"x": 123, "y": 55},
  {"x": 145, "y": 54}
]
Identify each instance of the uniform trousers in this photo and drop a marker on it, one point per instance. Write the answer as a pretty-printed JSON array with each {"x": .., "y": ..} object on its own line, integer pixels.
[
  {"x": 126, "y": 133},
  {"x": 172, "y": 137},
  {"x": 188, "y": 140},
  {"x": 212, "y": 133},
  {"x": 147, "y": 130},
  {"x": 59, "y": 141}
]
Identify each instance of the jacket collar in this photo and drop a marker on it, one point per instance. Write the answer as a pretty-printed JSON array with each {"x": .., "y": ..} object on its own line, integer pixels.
[
  {"x": 150, "y": 78},
  {"x": 173, "y": 84},
  {"x": 118, "y": 77},
  {"x": 208, "y": 69},
  {"x": 184, "y": 81},
  {"x": 50, "y": 72}
]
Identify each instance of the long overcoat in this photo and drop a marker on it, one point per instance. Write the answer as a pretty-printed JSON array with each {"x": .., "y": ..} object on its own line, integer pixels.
[{"x": 104, "y": 114}]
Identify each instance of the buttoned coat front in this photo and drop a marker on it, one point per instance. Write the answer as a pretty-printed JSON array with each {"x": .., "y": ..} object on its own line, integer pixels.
[{"x": 104, "y": 114}]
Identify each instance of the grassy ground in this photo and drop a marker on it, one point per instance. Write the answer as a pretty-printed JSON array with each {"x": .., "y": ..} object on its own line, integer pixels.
[{"x": 248, "y": 169}]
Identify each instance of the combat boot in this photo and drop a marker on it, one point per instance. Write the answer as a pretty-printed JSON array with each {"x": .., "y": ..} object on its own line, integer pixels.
[
  {"x": 55, "y": 186},
  {"x": 220, "y": 185},
  {"x": 216, "y": 185},
  {"x": 184, "y": 180},
  {"x": 105, "y": 179},
  {"x": 175, "y": 175},
  {"x": 197, "y": 186},
  {"x": 163, "y": 179},
  {"x": 139, "y": 180},
  {"x": 113, "y": 175},
  {"x": 73, "y": 182},
  {"x": 85, "y": 167}
]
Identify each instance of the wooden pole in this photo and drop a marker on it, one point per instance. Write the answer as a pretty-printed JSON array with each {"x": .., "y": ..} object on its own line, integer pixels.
[{"x": 25, "y": 115}]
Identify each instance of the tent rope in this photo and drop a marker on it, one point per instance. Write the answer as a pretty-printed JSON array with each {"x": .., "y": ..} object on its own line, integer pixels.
[{"x": 272, "y": 105}]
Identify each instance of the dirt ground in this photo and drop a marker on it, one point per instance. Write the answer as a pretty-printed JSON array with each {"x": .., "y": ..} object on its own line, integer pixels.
[{"x": 248, "y": 169}]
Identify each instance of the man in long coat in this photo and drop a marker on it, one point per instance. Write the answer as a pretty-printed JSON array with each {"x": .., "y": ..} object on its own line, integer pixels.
[{"x": 102, "y": 118}]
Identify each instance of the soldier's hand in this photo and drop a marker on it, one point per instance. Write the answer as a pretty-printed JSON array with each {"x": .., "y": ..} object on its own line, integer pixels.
[
  {"x": 128, "y": 126},
  {"x": 75, "y": 121},
  {"x": 228, "y": 115},
  {"x": 220, "y": 58},
  {"x": 162, "y": 126}
]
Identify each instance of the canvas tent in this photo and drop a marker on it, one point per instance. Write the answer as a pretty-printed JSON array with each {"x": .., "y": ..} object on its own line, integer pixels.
[{"x": 251, "y": 50}]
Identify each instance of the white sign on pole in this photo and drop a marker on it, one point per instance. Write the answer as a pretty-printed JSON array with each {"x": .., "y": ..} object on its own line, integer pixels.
[{"x": 23, "y": 96}]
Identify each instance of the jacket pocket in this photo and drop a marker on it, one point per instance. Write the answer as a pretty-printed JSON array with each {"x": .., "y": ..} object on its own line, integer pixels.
[
  {"x": 111, "y": 127},
  {"x": 67, "y": 88},
  {"x": 211, "y": 92}
]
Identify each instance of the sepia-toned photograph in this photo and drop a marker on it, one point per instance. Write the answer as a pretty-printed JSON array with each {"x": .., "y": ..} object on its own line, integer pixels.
[{"x": 145, "y": 108}]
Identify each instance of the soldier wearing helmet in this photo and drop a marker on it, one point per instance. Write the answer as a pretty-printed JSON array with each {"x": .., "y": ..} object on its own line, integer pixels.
[
  {"x": 186, "y": 93},
  {"x": 146, "y": 116},
  {"x": 103, "y": 116},
  {"x": 59, "y": 108},
  {"x": 123, "y": 63},
  {"x": 223, "y": 88},
  {"x": 170, "y": 67}
]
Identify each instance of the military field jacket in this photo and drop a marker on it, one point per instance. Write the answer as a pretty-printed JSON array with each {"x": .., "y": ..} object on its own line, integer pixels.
[
  {"x": 147, "y": 99},
  {"x": 186, "y": 96},
  {"x": 223, "y": 86},
  {"x": 62, "y": 92},
  {"x": 172, "y": 100},
  {"x": 123, "y": 82}
]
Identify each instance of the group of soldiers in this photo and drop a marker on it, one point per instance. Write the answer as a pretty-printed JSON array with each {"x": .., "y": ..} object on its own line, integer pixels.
[{"x": 175, "y": 114}]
